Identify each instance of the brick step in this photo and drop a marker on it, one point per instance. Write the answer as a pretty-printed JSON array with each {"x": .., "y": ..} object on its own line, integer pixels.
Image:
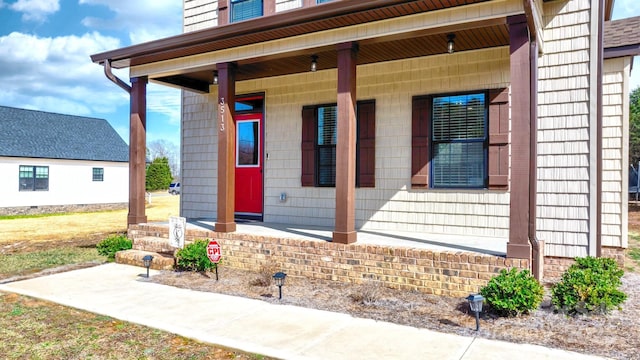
[
  {"x": 161, "y": 261},
  {"x": 153, "y": 244}
]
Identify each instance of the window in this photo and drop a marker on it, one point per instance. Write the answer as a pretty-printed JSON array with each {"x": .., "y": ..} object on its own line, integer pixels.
[
  {"x": 98, "y": 174},
  {"x": 322, "y": 1},
  {"x": 34, "y": 178},
  {"x": 245, "y": 9},
  {"x": 460, "y": 140},
  {"x": 319, "y": 140}
]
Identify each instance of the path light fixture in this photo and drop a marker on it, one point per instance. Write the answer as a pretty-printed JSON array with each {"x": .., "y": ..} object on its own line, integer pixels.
[
  {"x": 279, "y": 280},
  {"x": 147, "y": 259},
  {"x": 314, "y": 63},
  {"x": 475, "y": 304},
  {"x": 451, "y": 45},
  {"x": 215, "y": 78}
]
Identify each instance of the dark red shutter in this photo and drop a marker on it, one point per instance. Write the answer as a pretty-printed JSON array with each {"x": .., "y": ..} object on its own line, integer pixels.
[
  {"x": 499, "y": 139},
  {"x": 308, "y": 146},
  {"x": 420, "y": 121},
  {"x": 366, "y": 146}
]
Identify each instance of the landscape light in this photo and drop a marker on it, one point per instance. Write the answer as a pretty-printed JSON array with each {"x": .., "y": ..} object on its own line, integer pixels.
[
  {"x": 279, "y": 280},
  {"x": 147, "y": 259},
  {"x": 475, "y": 304}
]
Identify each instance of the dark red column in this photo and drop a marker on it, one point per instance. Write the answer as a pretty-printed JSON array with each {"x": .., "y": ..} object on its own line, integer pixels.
[
  {"x": 346, "y": 147},
  {"x": 519, "y": 245},
  {"x": 137, "y": 150},
  {"x": 226, "y": 147}
]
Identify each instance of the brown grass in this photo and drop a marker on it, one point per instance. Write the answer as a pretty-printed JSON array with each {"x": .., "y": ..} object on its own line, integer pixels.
[
  {"x": 94, "y": 225},
  {"x": 34, "y": 329}
]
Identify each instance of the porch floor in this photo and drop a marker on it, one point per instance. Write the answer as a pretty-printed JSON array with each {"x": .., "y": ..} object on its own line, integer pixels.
[{"x": 442, "y": 242}]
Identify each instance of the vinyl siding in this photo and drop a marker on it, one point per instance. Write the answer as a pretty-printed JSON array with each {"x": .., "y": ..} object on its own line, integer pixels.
[
  {"x": 199, "y": 14},
  {"x": 392, "y": 204},
  {"x": 615, "y": 151},
  {"x": 564, "y": 159}
]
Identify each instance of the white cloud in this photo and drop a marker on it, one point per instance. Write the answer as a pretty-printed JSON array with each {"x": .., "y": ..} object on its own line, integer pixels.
[
  {"x": 56, "y": 74},
  {"x": 146, "y": 19},
  {"x": 35, "y": 10}
]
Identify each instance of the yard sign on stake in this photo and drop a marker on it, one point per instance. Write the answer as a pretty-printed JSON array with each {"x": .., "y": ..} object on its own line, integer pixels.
[
  {"x": 214, "y": 253},
  {"x": 177, "y": 230}
]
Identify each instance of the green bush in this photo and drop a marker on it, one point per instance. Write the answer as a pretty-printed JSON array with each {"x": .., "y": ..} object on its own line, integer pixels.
[
  {"x": 111, "y": 245},
  {"x": 513, "y": 292},
  {"x": 193, "y": 257},
  {"x": 589, "y": 285}
]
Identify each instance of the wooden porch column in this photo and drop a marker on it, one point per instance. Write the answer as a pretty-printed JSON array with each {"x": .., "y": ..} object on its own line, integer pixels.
[
  {"x": 226, "y": 147},
  {"x": 346, "y": 147},
  {"x": 519, "y": 214},
  {"x": 137, "y": 150}
]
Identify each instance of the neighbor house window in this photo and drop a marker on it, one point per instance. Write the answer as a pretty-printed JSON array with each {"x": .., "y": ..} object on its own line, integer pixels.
[
  {"x": 34, "y": 178},
  {"x": 322, "y": 1},
  {"x": 245, "y": 9},
  {"x": 98, "y": 174},
  {"x": 460, "y": 140},
  {"x": 319, "y": 140}
]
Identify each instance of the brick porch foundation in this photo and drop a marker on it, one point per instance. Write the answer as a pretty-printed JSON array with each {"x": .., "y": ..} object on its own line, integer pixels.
[
  {"x": 554, "y": 267},
  {"x": 447, "y": 273}
]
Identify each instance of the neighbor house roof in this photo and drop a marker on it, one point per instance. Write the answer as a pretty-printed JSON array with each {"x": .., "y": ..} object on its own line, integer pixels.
[
  {"x": 622, "y": 37},
  {"x": 38, "y": 134}
]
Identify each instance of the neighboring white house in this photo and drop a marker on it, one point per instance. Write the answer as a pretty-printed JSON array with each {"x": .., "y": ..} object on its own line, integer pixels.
[{"x": 52, "y": 161}]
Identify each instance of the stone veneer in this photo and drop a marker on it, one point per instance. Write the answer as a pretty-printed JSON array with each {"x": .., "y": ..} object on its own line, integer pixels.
[
  {"x": 447, "y": 273},
  {"x": 54, "y": 209}
]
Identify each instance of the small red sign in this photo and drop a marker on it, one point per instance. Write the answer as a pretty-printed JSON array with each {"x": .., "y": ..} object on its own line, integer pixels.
[{"x": 213, "y": 251}]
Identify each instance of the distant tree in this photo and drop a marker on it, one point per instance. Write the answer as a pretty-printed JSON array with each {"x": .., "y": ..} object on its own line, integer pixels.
[
  {"x": 163, "y": 148},
  {"x": 158, "y": 175},
  {"x": 634, "y": 127}
]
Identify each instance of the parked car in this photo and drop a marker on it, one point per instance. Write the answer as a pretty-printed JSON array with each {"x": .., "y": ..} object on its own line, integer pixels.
[{"x": 174, "y": 188}]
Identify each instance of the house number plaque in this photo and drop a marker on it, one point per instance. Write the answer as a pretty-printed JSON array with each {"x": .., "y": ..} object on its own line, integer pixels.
[{"x": 222, "y": 114}]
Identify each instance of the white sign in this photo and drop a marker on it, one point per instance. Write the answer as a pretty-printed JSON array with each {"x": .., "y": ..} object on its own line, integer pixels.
[{"x": 177, "y": 230}]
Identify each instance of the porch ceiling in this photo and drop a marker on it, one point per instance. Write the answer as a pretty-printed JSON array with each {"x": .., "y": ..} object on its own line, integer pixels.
[
  {"x": 333, "y": 15},
  {"x": 469, "y": 36}
]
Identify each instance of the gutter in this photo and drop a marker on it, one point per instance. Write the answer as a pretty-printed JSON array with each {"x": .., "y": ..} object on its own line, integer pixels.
[{"x": 116, "y": 80}]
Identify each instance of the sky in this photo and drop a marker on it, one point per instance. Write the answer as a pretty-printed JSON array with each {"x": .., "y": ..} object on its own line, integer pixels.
[{"x": 45, "y": 47}]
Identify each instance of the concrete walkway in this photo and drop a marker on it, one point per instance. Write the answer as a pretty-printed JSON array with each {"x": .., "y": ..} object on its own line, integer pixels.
[{"x": 254, "y": 326}]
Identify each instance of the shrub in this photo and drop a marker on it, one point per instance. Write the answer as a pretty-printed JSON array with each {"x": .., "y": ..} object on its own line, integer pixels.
[
  {"x": 513, "y": 292},
  {"x": 265, "y": 275},
  {"x": 589, "y": 285},
  {"x": 111, "y": 245},
  {"x": 367, "y": 293},
  {"x": 193, "y": 257}
]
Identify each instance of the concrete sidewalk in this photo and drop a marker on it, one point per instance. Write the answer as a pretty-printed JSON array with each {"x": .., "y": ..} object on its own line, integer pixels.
[{"x": 254, "y": 326}]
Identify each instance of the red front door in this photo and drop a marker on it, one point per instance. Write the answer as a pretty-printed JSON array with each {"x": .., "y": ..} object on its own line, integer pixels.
[{"x": 249, "y": 164}]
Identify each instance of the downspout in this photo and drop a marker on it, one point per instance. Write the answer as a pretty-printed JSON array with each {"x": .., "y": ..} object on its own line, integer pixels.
[
  {"x": 116, "y": 80},
  {"x": 537, "y": 261},
  {"x": 599, "y": 129}
]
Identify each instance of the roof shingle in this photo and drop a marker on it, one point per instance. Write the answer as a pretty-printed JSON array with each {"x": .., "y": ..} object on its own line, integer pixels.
[
  {"x": 38, "y": 134},
  {"x": 623, "y": 32}
]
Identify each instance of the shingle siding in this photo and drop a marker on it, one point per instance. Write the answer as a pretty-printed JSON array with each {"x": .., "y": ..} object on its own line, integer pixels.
[
  {"x": 564, "y": 130},
  {"x": 615, "y": 151}
]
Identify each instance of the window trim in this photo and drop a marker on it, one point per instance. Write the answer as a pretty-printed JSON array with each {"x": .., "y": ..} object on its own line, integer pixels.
[
  {"x": 34, "y": 176},
  {"x": 97, "y": 176},
  {"x": 232, "y": 4},
  {"x": 485, "y": 141}
]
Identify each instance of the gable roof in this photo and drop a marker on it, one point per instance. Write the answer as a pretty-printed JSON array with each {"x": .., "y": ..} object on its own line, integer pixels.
[
  {"x": 38, "y": 134},
  {"x": 622, "y": 37}
]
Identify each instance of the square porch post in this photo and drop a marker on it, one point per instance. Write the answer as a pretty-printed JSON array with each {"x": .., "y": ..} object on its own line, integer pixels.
[
  {"x": 137, "y": 150},
  {"x": 519, "y": 214},
  {"x": 226, "y": 148},
  {"x": 346, "y": 147}
]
